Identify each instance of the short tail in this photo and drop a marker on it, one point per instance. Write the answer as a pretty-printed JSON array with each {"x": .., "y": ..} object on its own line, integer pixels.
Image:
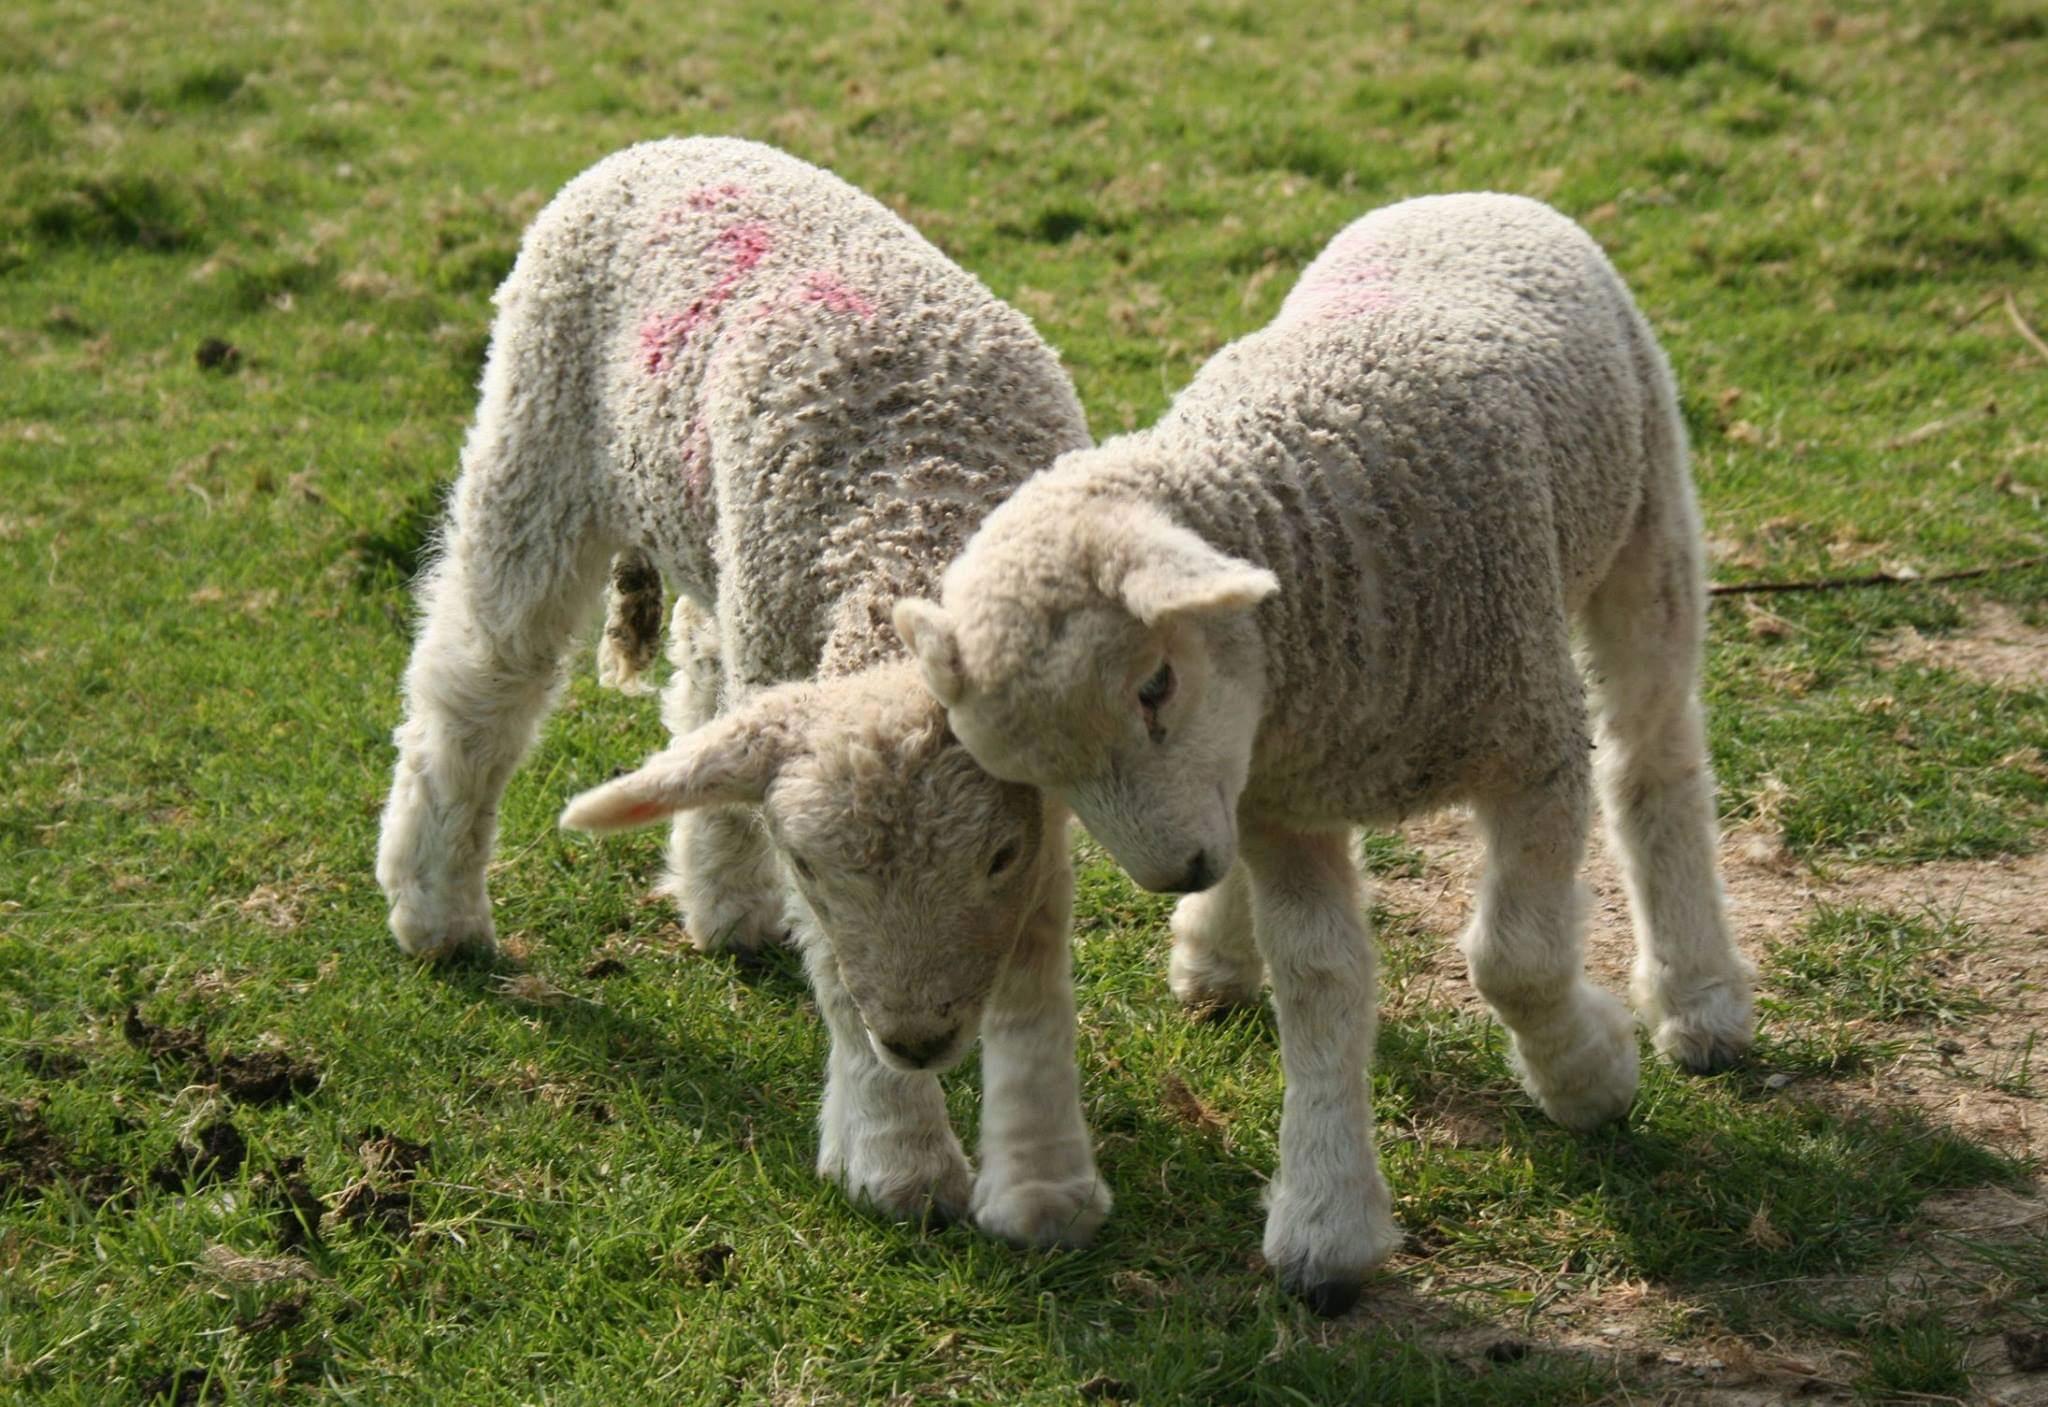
[{"x": 632, "y": 623}]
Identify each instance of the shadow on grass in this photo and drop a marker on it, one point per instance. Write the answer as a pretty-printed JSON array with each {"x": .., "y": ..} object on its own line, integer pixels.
[
  {"x": 1713, "y": 1190},
  {"x": 1708, "y": 1179},
  {"x": 729, "y": 1091}
]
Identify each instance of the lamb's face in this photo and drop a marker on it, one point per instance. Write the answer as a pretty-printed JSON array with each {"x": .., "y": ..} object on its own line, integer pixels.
[
  {"x": 1137, "y": 699},
  {"x": 915, "y": 867},
  {"x": 920, "y": 871}
]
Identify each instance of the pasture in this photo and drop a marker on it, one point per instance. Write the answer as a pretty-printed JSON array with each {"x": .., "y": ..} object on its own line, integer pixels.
[{"x": 248, "y": 1154}]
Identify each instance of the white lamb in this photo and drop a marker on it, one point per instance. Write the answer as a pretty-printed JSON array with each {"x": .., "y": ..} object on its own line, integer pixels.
[
  {"x": 714, "y": 359},
  {"x": 1334, "y": 584}
]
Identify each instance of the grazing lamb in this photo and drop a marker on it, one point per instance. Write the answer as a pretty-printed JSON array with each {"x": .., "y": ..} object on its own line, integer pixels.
[
  {"x": 716, "y": 362},
  {"x": 1334, "y": 585}
]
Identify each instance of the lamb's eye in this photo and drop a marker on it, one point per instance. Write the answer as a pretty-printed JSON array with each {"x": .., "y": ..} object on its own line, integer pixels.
[
  {"x": 1153, "y": 694},
  {"x": 803, "y": 866},
  {"x": 1002, "y": 859}
]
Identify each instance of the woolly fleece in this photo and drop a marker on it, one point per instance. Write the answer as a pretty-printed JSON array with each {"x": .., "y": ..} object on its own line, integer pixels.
[
  {"x": 717, "y": 361},
  {"x": 1333, "y": 584}
]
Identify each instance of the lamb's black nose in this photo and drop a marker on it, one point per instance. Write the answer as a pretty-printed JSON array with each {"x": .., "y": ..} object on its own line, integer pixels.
[{"x": 1200, "y": 875}]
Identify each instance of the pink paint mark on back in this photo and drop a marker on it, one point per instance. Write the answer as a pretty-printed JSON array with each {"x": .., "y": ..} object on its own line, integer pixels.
[
  {"x": 696, "y": 461},
  {"x": 711, "y": 197},
  {"x": 664, "y": 335},
  {"x": 744, "y": 245},
  {"x": 832, "y": 293},
  {"x": 661, "y": 337},
  {"x": 1348, "y": 290},
  {"x": 679, "y": 218}
]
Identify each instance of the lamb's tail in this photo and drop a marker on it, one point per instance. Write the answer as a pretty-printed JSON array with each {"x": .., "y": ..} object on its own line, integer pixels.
[{"x": 632, "y": 623}]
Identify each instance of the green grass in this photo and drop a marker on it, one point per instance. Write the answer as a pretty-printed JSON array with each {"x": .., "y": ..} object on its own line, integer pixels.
[
  {"x": 203, "y": 619},
  {"x": 1856, "y": 962}
]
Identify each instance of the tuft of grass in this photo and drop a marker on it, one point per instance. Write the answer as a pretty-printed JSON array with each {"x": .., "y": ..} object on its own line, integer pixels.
[
  {"x": 122, "y": 209},
  {"x": 213, "y": 85},
  {"x": 1685, "y": 48},
  {"x": 392, "y": 555},
  {"x": 1918, "y": 1358},
  {"x": 1873, "y": 965},
  {"x": 1386, "y": 853}
]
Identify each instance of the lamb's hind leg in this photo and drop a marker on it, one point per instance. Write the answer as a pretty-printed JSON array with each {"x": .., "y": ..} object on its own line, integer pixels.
[
  {"x": 721, "y": 873},
  {"x": 498, "y": 608},
  {"x": 1644, "y": 627},
  {"x": 1215, "y": 962},
  {"x": 1574, "y": 1045}
]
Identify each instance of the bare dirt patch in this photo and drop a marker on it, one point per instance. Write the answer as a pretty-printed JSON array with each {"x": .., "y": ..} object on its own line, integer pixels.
[
  {"x": 1995, "y": 647},
  {"x": 1973, "y": 1074},
  {"x": 382, "y": 1198},
  {"x": 213, "y": 1152},
  {"x": 33, "y": 1157},
  {"x": 262, "y": 1076}
]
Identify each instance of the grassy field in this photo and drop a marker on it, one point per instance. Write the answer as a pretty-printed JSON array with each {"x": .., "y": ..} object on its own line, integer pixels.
[{"x": 250, "y": 1155}]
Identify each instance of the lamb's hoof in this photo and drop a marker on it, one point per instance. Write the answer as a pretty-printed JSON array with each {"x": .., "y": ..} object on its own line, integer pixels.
[
  {"x": 432, "y": 936},
  {"x": 1331, "y": 1298},
  {"x": 1712, "y": 1033},
  {"x": 1592, "y": 1079},
  {"x": 1061, "y": 1213},
  {"x": 929, "y": 1197},
  {"x": 1325, "y": 1259},
  {"x": 743, "y": 927},
  {"x": 1207, "y": 985}
]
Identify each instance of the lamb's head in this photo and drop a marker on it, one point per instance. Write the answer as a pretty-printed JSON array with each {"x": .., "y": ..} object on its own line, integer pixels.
[
  {"x": 918, "y": 868},
  {"x": 1111, "y": 656}
]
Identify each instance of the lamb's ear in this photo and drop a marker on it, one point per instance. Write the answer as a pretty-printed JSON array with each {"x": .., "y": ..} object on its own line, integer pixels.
[
  {"x": 933, "y": 642},
  {"x": 1173, "y": 572},
  {"x": 727, "y": 761}
]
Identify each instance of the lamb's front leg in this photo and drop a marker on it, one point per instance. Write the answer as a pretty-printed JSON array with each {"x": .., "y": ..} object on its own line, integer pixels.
[
  {"x": 1038, "y": 1185},
  {"x": 883, "y": 1134},
  {"x": 498, "y": 608},
  {"x": 1329, "y": 1220}
]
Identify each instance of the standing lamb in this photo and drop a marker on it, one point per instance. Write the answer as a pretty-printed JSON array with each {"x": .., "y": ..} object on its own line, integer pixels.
[
  {"x": 1334, "y": 584},
  {"x": 722, "y": 364}
]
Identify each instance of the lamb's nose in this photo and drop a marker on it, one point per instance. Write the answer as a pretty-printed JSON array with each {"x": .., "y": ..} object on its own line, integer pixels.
[
  {"x": 918, "y": 1054},
  {"x": 1200, "y": 875}
]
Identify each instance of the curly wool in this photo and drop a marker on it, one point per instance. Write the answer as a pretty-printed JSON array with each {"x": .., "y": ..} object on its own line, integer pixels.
[
  {"x": 1361, "y": 537},
  {"x": 724, "y": 365},
  {"x": 1443, "y": 412},
  {"x": 789, "y": 390}
]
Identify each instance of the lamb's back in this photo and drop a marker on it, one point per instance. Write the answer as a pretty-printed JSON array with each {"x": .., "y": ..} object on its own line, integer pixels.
[
  {"x": 1438, "y": 445},
  {"x": 792, "y": 384}
]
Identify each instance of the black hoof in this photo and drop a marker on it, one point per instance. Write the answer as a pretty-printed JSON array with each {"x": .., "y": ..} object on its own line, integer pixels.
[{"x": 1332, "y": 1297}]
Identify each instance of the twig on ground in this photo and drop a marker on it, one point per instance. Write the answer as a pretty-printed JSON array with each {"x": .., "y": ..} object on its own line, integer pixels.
[
  {"x": 1980, "y": 310},
  {"x": 2012, "y": 310},
  {"x": 1844, "y": 583}
]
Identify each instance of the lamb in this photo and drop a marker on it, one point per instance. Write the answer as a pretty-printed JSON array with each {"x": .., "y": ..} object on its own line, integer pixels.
[
  {"x": 1334, "y": 584},
  {"x": 715, "y": 362}
]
